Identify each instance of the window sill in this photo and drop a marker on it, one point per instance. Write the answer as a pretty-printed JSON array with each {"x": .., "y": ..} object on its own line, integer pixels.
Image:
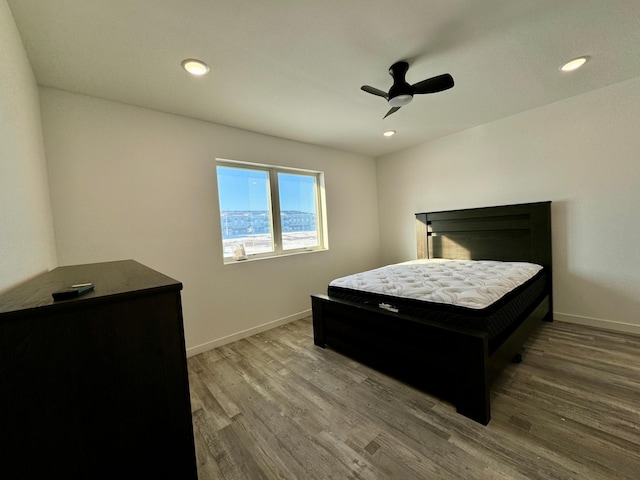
[{"x": 230, "y": 261}]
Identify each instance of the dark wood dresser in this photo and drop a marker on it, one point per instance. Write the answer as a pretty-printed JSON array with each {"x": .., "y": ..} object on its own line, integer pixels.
[{"x": 95, "y": 387}]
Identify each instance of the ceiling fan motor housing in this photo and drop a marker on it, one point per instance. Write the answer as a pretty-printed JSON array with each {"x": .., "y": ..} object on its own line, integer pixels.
[{"x": 400, "y": 92}]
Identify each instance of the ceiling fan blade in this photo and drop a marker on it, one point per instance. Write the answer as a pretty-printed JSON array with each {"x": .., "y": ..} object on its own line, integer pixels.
[
  {"x": 375, "y": 91},
  {"x": 393, "y": 110},
  {"x": 434, "y": 84}
]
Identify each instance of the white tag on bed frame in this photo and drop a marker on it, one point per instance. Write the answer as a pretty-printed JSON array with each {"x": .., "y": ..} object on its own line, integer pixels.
[{"x": 386, "y": 306}]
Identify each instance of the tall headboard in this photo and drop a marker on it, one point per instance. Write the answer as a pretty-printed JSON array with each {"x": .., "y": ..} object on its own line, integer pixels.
[{"x": 507, "y": 233}]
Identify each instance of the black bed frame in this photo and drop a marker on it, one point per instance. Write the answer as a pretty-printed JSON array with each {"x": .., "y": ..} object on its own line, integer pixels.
[{"x": 456, "y": 364}]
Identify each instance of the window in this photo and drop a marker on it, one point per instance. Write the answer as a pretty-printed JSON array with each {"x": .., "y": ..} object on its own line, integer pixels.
[{"x": 267, "y": 211}]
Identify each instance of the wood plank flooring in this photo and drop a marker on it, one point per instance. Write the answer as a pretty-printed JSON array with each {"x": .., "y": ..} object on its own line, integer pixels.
[{"x": 274, "y": 406}]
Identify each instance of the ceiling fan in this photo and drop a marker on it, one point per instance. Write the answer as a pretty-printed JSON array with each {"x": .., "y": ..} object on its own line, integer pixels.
[{"x": 402, "y": 93}]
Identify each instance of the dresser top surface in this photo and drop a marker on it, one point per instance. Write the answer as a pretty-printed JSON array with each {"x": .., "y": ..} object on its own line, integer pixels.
[{"x": 111, "y": 279}]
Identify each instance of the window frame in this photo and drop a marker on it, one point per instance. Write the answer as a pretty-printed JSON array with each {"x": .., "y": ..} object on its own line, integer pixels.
[{"x": 275, "y": 213}]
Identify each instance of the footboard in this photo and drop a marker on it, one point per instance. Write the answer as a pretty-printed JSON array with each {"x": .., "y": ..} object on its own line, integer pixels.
[{"x": 449, "y": 362}]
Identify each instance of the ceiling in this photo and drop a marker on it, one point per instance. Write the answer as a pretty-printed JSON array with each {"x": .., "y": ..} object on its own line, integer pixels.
[{"x": 294, "y": 68}]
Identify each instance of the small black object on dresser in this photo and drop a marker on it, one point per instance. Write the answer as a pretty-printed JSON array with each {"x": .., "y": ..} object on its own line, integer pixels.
[{"x": 95, "y": 386}]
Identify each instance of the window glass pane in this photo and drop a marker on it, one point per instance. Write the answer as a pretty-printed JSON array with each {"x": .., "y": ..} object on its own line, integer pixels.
[
  {"x": 298, "y": 210},
  {"x": 245, "y": 210}
]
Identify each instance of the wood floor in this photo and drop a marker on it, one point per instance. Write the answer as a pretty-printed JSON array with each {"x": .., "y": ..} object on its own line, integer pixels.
[{"x": 274, "y": 406}]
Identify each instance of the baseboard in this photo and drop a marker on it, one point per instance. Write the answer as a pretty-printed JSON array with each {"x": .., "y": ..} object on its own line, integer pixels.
[
  {"x": 245, "y": 333},
  {"x": 598, "y": 323}
]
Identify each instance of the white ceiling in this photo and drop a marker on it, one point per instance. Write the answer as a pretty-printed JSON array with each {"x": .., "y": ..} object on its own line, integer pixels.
[{"x": 293, "y": 68}]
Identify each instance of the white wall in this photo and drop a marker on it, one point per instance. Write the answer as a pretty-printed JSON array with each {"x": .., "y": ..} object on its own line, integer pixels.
[
  {"x": 582, "y": 153},
  {"x": 131, "y": 183},
  {"x": 26, "y": 230}
]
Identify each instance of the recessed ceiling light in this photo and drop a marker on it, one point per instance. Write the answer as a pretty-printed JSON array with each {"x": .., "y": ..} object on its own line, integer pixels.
[
  {"x": 195, "y": 67},
  {"x": 574, "y": 64},
  {"x": 389, "y": 133}
]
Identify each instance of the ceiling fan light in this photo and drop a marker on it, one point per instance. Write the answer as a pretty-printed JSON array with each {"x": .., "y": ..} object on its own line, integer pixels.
[{"x": 400, "y": 100}]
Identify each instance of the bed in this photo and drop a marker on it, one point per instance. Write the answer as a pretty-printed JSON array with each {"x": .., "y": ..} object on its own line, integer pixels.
[{"x": 454, "y": 360}]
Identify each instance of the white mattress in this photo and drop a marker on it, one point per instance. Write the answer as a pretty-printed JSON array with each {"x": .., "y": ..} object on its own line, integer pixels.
[{"x": 473, "y": 284}]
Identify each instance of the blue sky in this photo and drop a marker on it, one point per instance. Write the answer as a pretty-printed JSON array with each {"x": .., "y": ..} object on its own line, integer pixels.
[{"x": 241, "y": 189}]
